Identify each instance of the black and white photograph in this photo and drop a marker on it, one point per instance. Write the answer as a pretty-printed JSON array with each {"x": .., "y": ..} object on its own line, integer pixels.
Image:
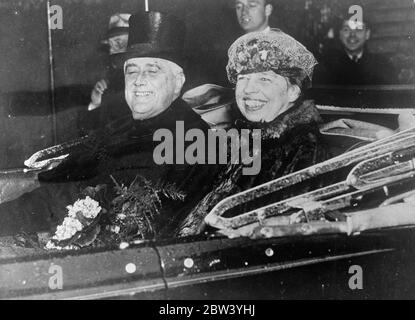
[{"x": 207, "y": 154}]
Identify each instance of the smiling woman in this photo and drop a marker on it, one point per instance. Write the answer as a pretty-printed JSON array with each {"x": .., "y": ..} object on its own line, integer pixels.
[
  {"x": 270, "y": 70},
  {"x": 262, "y": 96}
]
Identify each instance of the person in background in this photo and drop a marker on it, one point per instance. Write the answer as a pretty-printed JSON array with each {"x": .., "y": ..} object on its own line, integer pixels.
[
  {"x": 353, "y": 63},
  {"x": 253, "y": 15},
  {"x": 107, "y": 101}
]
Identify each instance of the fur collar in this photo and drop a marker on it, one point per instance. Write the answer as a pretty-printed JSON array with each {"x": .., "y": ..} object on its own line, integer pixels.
[{"x": 304, "y": 113}]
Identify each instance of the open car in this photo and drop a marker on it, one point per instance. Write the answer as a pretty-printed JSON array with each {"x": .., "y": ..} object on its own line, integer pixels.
[
  {"x": 361, "y": 249},
  {"x": 267, "y": 252}
]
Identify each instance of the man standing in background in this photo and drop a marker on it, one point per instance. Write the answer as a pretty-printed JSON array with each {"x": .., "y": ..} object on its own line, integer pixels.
[
  {"x": 253, "y": 15},
  {"x": 352, "y": 63},
  {"x": 107, "y": 96}
]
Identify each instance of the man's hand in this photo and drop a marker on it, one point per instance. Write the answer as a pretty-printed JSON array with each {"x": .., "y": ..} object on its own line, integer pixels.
[{"x": 96, "y": 95}]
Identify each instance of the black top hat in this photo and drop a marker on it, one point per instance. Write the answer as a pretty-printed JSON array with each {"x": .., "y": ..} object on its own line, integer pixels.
[{"x": 156, "y": 35}]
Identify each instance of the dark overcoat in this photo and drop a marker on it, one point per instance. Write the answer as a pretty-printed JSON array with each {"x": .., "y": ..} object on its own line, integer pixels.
[
  {"x": 123, "y": 150},
  {"x": 289, "y": 143},
  {"x": 336, "y": 68}
]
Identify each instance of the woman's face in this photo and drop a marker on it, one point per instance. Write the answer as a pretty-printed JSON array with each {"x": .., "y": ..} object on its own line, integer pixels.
[{"x": 262, "y": 96}]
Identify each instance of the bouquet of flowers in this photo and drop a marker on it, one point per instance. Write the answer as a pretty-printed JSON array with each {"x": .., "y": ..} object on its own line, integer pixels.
[
  {"x": 80, "y": 228},
  {"x": 131, "y": 215}
]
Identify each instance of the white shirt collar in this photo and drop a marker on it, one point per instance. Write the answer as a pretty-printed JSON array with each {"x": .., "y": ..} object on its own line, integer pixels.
[{"x": 359, "y": 56}]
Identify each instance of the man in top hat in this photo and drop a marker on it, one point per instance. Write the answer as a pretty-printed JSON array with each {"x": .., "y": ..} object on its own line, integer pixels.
[{"x": 124, "y": 149}]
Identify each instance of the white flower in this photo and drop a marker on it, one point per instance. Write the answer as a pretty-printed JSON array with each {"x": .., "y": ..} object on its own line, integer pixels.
[
  {"x": 51, "y": 246},
  {"x": 121, "y": 216},
  {"x": 124, "y": 245},
  {"x": 69, "y": 227},
  {"x": 88, "y": 207},
  {"x": 115, "y": 229}
]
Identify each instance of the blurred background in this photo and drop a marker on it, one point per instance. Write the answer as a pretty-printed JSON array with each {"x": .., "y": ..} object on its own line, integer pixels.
[{"x": 33, "y": 116}]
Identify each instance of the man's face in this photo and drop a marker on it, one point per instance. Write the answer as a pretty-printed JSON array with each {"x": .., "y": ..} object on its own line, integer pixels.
[
  {"x": 151, "y": 85},
  {"x": 118, "y": 44},
  {"x": 262, "y": 96},
  {"x": 253, "y": 15},
  {"x": 354, "y": 36}
]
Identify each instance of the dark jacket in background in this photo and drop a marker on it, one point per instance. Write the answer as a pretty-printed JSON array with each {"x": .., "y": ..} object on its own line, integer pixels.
[
  {"x": 336, "y": 68},
  {"x": 113, "y": 105},
  {"x": 123, "y": 149}
]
